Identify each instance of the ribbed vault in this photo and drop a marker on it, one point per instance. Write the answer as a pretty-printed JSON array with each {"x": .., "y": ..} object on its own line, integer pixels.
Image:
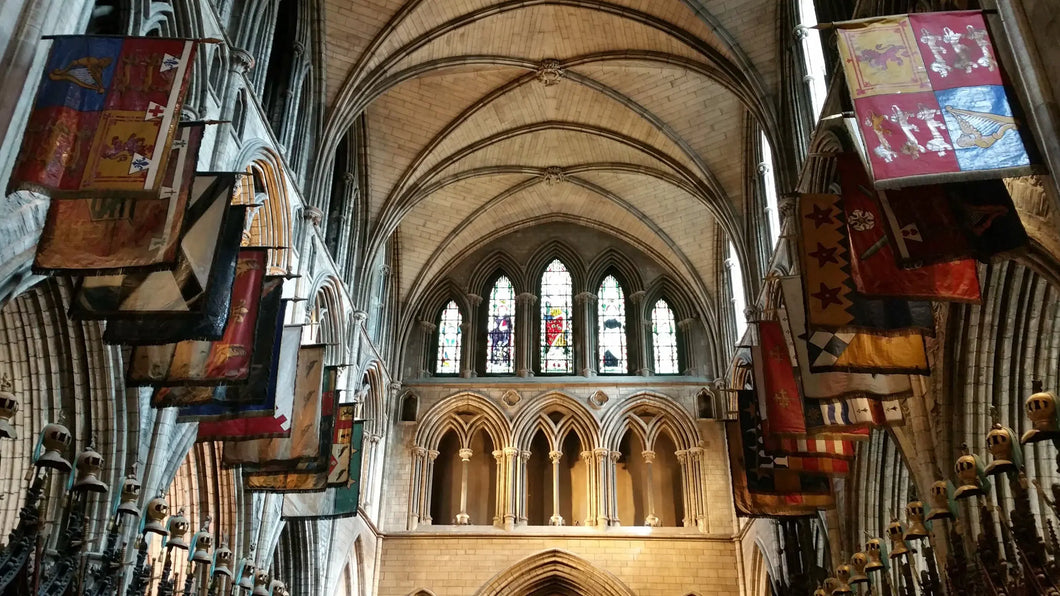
[{"x": 483, "y": 116}]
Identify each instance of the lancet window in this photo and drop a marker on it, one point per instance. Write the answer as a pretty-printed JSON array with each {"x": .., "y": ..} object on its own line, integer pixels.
[
  {"x": 611, "y": 318},
  {"x": 557, "y": 353},
  {"x": 664, "y": 339},
  {"x": 500, "y": 328},
  {"x": 449, "y": 335}
]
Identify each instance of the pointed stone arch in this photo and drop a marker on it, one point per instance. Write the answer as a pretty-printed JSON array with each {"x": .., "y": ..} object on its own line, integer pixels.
[
  {"x": 575, "y": 418},
  {"x": 445, "y": 416},
  {"x": 555, "y": 569}
]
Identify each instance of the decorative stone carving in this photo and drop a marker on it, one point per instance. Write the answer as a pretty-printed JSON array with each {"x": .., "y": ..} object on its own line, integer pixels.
[
  {"x": 349, "y": 178},
  {"x": 242, "y": 61},
  {"x": 549, "y": 72},
  {"x": 511, "y": 397},
  {"x": 597, "y": 399},
  {"x": 553, "y": 175},
  {"x": 313, "y": 215}
]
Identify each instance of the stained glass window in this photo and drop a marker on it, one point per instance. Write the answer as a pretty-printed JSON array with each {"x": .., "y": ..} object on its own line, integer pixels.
[
  {"x": 556, "y": 337},
  {"x": 449, "y": 341},
  {"x": 611, "y": 314},
  {"x": 664, "y": 339},
  {"x": 500, "y": 328}
]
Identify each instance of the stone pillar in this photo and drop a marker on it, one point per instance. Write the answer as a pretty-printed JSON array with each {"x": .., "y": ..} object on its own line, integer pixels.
[
  {"x": 639, "y": 348},
  {"x": 502, "y": 488},
  {"x": 427, "y": 328},
  {"x": 289, "y": 119},
  {"x": 239, "y": 63},
  {"x": 605, "y": 486},
  {"x": 525, "y": 316},
  {"x": 695, "y": 457},
  {"x": 591, "y": 487},
  {"x": 585, "y": 338},
  {"x": 469, "y": 338},
  {"x": 686, "y": 336},
  {"x": 369, "y": 455},
  {"x": 520, "y": 502},
  {"x": 650, "y": 519},
  {"x": 462, "y": 518},
  {"x": 429, "y": 486},
  {"x": 513, "y": 485},
  {"x": 556, "y": 519},
  {"x": 416, "y": 480},
  {"x": 687, "y": 496}
]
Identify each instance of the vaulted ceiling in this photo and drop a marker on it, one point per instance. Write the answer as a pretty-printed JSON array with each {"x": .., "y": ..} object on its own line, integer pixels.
[{"x": 483, "y": 116}]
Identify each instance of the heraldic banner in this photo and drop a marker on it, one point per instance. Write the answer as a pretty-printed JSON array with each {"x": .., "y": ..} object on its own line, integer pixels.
[
  {"x": 929, "y": 98},
  {"x": 104, "y": 234},
  {"x": 340, "y": 501},
  {"x": 105, "y": 115}
]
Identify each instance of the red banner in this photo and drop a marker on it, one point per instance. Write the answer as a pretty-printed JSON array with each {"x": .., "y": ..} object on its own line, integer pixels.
[{"x": 872, "y": 260}]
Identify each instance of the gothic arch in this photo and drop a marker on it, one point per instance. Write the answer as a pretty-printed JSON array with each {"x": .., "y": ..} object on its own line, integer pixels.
[
  {"x": 647, "y": 414},
  {"x": 551, "y": 251},
  {"x": 554, "y": 569},
  {"x": 326, "y": 298},
  {"x": 613, "y": 262},
  {"x": 498, "y": 263},
  {"x": 464, "y": 413},
  {"x": 270, "y": 224},
  {"x": 575, "y": 418}
]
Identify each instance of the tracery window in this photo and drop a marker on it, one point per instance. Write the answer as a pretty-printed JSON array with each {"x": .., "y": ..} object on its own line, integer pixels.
[
  {"x": 557, "y": 355},
  {"x": 739, "y": 302},
  {"x": 500, "y": 328},
  {"x": 664, "y": 339},
  {"x": 448, "y": 360},
  {"x": 813, "y": 56},
  {"x": 611, "y": 315}
]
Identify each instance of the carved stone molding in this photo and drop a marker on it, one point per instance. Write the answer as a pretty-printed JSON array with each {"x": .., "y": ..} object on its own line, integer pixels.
[
  {"x": 553, "y": 175},
  {"x": 511, "y": 397},
  {"x": 597, "y": 399},
  {"x": 241, "y": 60},
  {"x": 313, "y": 215},
  {"x": 549, "y": 72}
]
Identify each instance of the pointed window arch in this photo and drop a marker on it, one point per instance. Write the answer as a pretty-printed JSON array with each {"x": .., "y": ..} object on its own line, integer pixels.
[
  {"x": 449, "y": 335},
  {"x": 557, "y": 353},
  {"x": 500, "y": 328},
  {"x": 611, "y": 316},
  {"x": 664, "y": 339}
]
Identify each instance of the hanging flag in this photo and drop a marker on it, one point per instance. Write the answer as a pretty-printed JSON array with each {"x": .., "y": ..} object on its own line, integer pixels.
[
  {"x": 205, "y": 268},
  {"x": 232, "y": 423},
  {"x": 341, "y": 501},
  {"x": 344, "y": 448},
  {"x": 776, "y": 382},
  {"x": 834, "y": 385},
  {"x": 872, "y": 261},
  {"x": 310, "y": 475},
  {"x": 103, "y": 234},
  {"x": 302, "y": 444},
  {"x": 758, "y": 487},
  {"x": 104, "y": 117},
  {"x": 833, "y": 300},
  {"x": 224, "y": 361},
  {"x": 814, "y": 446},
  {"x": 947, "y": 222},
  {"x": 929, "y": 99}
]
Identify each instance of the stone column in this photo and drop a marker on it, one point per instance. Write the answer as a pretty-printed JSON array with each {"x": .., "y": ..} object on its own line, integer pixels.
[
  {"x": 502, "y": 488},
  {"x": 584, "y": 336},
  {"x": 688, "y": 348},
  {"x": 289, "y": 118},
  {"x": 469, "y": 337},
  {"x": 605, "y": 486},
  {"x": 590, "y": 487},
  {"x": 428, "y": 490},
  {"x": 612, "y": 492},
  {"x": 371, "y": 448},
  {"x": 511, "y": 503},
  {"x": 520, "y": 502},
  {"x": 462, "y": 518},
  {"x": 419, "y": 454},
  {"x": 695, "y": 456},
  {"x": 239, "y": 62},
  {"x": 639, "y": 348},
  {"x": 427, "y": 328},
  {"x": 525, "y": 316},
  {"x": 687, "y": 497},
  {"x": 650, "y": 519},
  {"x": 556, "y": 519}
]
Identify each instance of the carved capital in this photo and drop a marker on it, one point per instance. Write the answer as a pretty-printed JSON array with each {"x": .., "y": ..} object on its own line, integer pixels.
[
  {"x": 419, "y": 451},
  {"x": 297, "y": 48},
  {"x": 427, "y": 326},
  {"x": 649, "y": 456},
  {"x": 786, "y": 204},
  {"x": 555, "y": 456},
  {"x": 525, "y": 456},
  {"x": 349, "y": 178},
  {"x": 685, "y": 324},
  {"x": 637, "y": 296},
  {"x": 474, "y": 299},
  {"x": 465, "y": 454},
  {"x": 526, "y": 298},
  {"x": 433, "y": 454},
  {"x": 359, "y": 317},
  {"x": 583, "y": 297},
  {"x": 614, "y": 456},
  {"x": 313, "y": 215},
  {"x": 510, "y": 452},
  {"x": 241, "y": 61}
]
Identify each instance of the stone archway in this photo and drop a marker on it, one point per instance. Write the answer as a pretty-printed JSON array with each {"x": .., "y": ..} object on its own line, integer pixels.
[{"x": 554, "y": 573}]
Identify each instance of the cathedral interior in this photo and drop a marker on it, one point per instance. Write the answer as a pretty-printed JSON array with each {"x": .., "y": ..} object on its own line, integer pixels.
[{"x": 530, "y": 244}]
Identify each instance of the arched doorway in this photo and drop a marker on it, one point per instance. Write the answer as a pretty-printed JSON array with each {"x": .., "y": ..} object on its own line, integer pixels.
[{"x": 554, "y": 573}]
